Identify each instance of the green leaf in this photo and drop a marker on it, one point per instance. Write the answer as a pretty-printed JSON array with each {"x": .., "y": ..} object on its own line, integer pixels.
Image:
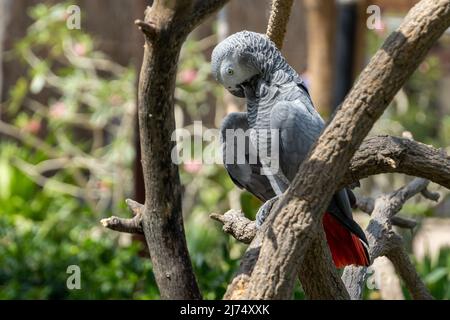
[{"x": 436, "y": 275}]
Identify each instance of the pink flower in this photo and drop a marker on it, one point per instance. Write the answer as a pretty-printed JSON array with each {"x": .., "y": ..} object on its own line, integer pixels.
[
  {"x": 33, "y": 126},
  {"x": 193, "y": 166},
  {"x": 58, "y": 110},
  {"x": 79, "y": 49},
  {"x": 188, "y": 76}
]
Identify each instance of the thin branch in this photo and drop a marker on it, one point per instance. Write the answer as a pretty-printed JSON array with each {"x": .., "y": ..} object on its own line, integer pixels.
[
  {"x": 383, "y": 241},
  {"x": 235, "y": 223},
  {"x": 147, "y": 28},
  {"x": 278, "y": 20},
  {"x": 434, "y": 196},
  {"x": 131, "y": 225},
  {"x": 204, "y": 8},
  {"x": 402, "y": 263},
  {"x": 402, "y": 222}
]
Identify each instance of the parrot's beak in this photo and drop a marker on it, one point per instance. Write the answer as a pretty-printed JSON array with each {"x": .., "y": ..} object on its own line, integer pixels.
[{"x": 238, "y": 92}]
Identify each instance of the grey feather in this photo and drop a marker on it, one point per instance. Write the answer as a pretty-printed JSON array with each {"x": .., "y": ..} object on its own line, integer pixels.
[{"x": 245, "y": 175}]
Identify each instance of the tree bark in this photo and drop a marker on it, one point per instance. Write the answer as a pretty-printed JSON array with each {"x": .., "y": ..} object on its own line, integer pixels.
[{"x": 388, "y": 154}]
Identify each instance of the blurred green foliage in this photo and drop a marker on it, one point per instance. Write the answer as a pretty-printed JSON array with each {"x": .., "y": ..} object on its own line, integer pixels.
[
  {"x": 436, "y": 274},
  {"x": 43, "y": 232}
]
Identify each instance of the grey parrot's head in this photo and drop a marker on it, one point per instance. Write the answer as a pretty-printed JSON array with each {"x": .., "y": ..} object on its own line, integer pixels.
[{"x": 242, "y": 57}]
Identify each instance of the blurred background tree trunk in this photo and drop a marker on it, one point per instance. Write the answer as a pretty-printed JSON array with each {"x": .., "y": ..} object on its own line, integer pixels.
[
  {"x": 321, "y": 29},
  {"x": 350, "y": 44}
]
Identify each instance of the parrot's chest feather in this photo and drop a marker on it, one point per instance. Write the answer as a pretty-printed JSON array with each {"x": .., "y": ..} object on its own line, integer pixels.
[
  {"x": 259, "y": 108},
  {"x": 259, "y": 105}
]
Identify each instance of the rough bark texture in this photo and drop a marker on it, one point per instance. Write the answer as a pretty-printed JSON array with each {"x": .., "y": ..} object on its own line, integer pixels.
[
  {"x": 384, "y": 154},
  {"x": 296, "y": 223},
  {"x": 278, "y": 20},
  {"x": 235, "y": 223},
  {"x": 317, "y": 279},
  {"x": 133, "y": 225},
  {"x": 166, "y": 26}
]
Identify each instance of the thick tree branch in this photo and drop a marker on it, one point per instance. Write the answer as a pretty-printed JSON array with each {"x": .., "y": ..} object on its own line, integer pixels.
[
  {"x": 384, "y": 154},
  {"x": 290, "y": 232}
]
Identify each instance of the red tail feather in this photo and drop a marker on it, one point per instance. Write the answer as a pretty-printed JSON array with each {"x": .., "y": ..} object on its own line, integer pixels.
[{"x": 345, "y": 247}]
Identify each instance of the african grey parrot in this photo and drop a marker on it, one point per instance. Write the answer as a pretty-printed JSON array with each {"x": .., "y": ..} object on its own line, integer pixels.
[{"x": 250, "y": 66}]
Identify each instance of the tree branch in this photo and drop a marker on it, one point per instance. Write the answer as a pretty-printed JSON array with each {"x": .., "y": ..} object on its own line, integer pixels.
[
  {"x": 133, "y": 225},
  {"x": 235, "y": 223},
  {"x": 290, "y": 232},
  {"x": 147, "y": 28},
  {"x": 278, "y": 20},
  {"x": 204, "y": 8},
  {"x": 383, "y": 241},
  {"x": 387, "y": 154}
]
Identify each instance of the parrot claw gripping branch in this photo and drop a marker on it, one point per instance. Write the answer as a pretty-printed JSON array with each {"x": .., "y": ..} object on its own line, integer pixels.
[{"x": 308, "y": 229}]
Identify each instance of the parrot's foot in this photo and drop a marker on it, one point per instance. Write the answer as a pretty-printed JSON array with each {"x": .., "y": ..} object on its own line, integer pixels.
[{"x": 264, "y": 211}]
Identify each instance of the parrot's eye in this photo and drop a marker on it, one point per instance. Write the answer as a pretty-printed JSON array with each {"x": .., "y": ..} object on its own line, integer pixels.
[{"x": 230, "y": 71}]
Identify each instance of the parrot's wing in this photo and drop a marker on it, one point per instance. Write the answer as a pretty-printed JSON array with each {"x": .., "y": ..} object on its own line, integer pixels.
[
  {"x": 241, "y": 167},
  {"x": 299, "y": 128}
]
